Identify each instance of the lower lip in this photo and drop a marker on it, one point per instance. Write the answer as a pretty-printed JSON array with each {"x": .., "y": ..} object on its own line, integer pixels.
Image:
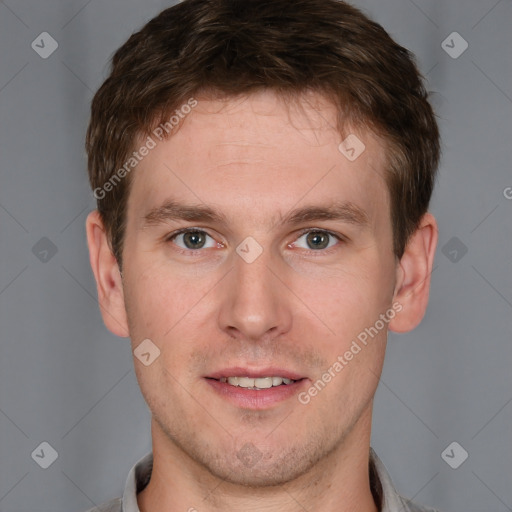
[{"x": 256, "y": 398}]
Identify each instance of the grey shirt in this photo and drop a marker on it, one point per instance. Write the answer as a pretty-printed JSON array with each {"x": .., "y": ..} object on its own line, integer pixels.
[{"x": 384, "y": 493}]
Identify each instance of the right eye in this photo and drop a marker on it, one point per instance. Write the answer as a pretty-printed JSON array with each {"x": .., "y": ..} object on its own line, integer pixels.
[{"x": 192, "y": 239}]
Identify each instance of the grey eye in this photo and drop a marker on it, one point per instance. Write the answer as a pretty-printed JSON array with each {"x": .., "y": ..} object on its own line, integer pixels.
[
  {"x": 193, "y": 239},
  {"x": 317, "y": 240}
]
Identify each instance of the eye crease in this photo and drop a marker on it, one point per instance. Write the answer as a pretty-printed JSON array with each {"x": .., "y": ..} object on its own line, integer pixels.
[
  {"x": 196, "y": 239},
  {"x": 193, "y": 239},
  {"x": 318, "y": 238}
]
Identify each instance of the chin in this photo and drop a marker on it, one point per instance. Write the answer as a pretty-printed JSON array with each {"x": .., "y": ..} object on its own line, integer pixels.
[
  {"x": 262, "y": 475},
  {"x": 265, "y": 467}
]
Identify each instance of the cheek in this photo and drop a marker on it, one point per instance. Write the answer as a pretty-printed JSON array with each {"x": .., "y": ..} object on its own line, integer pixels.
[
  {"x": 345, "y": 301},
  {"x": 165, "y": 306},
  {"x": 352, "y": 339},
  {"x": 146, "y": 301},
  {"x": 165, "y": 309}
]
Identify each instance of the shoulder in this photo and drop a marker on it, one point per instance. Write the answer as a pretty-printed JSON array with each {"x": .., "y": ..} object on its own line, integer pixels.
[{"x": 115, "y": 505}]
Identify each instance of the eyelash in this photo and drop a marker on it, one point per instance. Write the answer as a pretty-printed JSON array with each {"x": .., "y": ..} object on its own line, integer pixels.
[
  {"x": 191, "y": 252},
  {"x": 188, "y": 252},
  {"x": 321, "y": 252}
]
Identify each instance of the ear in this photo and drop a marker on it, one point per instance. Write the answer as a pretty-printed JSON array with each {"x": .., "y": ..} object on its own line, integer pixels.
[
  {"x": 413, "y": 276},
  {"x": 108, "y": 278}
]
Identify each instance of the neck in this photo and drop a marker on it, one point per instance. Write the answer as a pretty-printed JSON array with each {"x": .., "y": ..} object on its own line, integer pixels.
[{"x": 338, "y": 483}]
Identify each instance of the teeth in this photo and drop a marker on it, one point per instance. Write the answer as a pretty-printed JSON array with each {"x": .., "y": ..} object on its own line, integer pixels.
[
  {"x": 243, "y": 382},
  {"x": 257, "y": 383},
  {"x": 277, "y": 381}
]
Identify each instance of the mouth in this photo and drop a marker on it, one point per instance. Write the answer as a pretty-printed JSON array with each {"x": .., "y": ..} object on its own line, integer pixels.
[
  {"x": 258, "y": 382},
  {"x": 251, "y": 389}
]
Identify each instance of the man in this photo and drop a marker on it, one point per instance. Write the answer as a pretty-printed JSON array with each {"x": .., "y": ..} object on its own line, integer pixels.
[{"x": 263, "y": 170}]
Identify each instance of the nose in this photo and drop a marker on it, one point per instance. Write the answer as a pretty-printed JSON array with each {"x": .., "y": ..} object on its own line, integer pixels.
[{"x": 255, "y": 303}]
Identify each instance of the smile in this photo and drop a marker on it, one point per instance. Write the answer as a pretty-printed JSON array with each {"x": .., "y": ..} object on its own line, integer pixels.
[{"x": 257, "y": 383}]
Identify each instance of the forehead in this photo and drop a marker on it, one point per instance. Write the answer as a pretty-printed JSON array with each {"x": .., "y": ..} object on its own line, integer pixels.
[{"x": 260, "y": 156}]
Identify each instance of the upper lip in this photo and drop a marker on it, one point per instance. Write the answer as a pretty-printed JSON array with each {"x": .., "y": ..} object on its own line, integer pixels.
[{"x": 254, "y": 373}]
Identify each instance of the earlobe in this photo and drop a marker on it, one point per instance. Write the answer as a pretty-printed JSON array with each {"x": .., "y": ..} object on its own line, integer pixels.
[
  {"x": 108, "y": 278},
  {"x": 413, "y": 275}
]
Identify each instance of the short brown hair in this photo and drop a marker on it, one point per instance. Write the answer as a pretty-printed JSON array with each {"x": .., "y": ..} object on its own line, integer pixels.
[{"x": 228, "y": 48}]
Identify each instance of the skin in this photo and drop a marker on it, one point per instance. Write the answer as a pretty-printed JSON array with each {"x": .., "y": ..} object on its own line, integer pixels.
[{"x": 295, "y": 307}]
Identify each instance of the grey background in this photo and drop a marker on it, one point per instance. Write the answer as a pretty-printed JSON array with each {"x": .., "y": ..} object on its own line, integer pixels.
[{"x": 66, "y": 380}]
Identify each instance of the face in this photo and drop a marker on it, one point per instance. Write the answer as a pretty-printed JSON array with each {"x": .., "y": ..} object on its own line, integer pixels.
[{"x": 286, "y": 260}]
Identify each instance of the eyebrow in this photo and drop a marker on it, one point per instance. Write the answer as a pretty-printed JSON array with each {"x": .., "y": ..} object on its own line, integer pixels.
[
  {"x": 344, "y": 211},
  {"x": 173, "y": 210}
]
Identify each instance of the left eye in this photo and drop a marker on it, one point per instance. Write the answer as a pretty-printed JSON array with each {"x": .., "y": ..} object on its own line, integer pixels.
[
  {"x": 317, "y": 240},
  {"x": 193, "y": 239}
]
